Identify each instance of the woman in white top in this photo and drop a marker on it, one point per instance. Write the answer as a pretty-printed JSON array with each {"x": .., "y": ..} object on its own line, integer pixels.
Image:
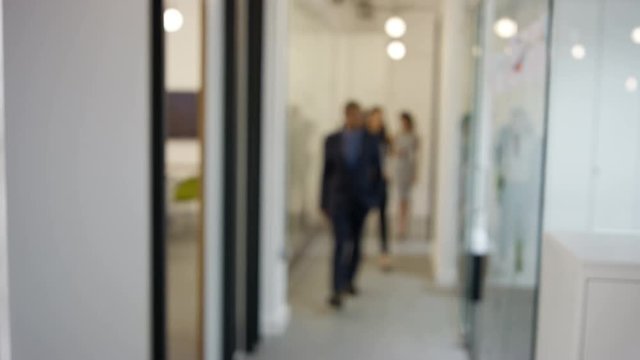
[{"x": 406, "y": 150}]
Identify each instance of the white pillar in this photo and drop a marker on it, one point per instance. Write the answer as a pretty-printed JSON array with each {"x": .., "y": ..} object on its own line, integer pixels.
[
  {"x": 274, "y": 308},
  {"x": 454, "y": 83}
]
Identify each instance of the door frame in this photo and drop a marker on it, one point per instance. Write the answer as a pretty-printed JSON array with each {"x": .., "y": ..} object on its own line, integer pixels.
[
  {"x": 242, "y": 175},
  {"x": 255, "y": 18},
  {"x": 229, "y": 183},
  {"x": 158, "y": 203}
]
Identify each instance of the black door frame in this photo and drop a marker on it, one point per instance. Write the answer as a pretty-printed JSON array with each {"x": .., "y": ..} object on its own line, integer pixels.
[
  {"x": 229, "y": 185},
  {"x": 242, "y": 62},
  {"x": 254, "y": 102},
  {"x": 158, "y": 206}
]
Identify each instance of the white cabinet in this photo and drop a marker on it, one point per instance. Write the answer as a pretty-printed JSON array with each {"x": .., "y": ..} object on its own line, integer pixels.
[{"x": 589, "y": 305}]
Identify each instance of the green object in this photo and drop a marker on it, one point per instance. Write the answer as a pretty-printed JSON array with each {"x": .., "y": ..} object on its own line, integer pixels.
[{"x": 187, "y": 190}]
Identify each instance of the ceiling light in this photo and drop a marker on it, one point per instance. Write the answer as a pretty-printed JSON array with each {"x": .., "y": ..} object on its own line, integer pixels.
[
  {"x": 631, "y": 84},
  {"x": 396, "y": 50},
  {"x": 578, "y": 52},
  {"x": 505, "y": 28},
  {"x": 635, "y": 35},
  {"x": 395, "y": 27},
  {"x": 173, "y": 20}
]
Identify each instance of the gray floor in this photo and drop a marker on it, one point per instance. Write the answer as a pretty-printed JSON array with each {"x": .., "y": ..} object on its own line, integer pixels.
[
  {"x": 504, "y": 324},
  {"x": 182, "y": 282},
  {"x": 399, "y": 315}
]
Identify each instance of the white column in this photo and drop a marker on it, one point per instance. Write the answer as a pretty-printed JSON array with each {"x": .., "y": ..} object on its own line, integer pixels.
[
  {"x": 274, "y": 308},
  {"x": 453, "y": 105}
]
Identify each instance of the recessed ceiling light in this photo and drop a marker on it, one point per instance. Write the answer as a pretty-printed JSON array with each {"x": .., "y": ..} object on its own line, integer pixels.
[
  {"x": 395, "y": 27},
  {"x": 396, "y": 50},
  {"x": 173, "y": 20}
]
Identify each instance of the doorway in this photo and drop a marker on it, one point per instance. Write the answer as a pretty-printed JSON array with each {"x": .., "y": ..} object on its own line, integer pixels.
[
  {"x": 183, "y": 144},
  {"x": 338, "y": 52}
]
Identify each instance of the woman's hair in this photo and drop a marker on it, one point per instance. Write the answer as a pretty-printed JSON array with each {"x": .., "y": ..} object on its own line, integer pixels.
[
  {"x": 383, "y": 128},
  {"x": 408, "y": 119},
  {"x": 375, "y": 110}
]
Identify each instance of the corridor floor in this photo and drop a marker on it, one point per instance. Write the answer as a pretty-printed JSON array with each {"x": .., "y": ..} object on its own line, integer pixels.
[{"x": 398, "y": 315}]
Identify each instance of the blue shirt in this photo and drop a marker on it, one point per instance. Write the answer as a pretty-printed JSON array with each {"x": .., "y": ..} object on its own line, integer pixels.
[{"x": 352, "y": 145}]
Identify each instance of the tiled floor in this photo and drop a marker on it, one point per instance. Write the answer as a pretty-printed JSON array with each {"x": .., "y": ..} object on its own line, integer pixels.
[{"x": 399, "y": 315}]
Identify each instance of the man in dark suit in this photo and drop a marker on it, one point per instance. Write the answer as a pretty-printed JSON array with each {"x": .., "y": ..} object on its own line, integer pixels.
[{"x": 350, "y": 184}]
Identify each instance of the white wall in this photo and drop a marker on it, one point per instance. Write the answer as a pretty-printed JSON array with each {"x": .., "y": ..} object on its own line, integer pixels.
[
  {"x": 593, "y": 163},
  {"x": 328, "y": 67},
  {"x": 77, "y": 125}
]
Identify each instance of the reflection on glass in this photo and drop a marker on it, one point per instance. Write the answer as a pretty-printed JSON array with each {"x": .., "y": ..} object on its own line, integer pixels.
[
  {"x": 631, "y": 84},
  {"x": 578, "y": 52},
  {"x": 635, "y": 35},
  {"x": 506, "y": 28}
]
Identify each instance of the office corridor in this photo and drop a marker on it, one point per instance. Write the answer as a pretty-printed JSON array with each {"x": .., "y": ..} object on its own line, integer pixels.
[{"x": 397, "y": 314}]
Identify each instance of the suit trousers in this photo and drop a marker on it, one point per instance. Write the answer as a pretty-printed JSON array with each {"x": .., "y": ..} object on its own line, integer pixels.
[{"x": 347, "y": 224}]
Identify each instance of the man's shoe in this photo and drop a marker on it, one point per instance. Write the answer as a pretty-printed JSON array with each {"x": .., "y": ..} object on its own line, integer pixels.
[
  {"x": 335, "y": 301},
  {"x": 352, "y": 290}
]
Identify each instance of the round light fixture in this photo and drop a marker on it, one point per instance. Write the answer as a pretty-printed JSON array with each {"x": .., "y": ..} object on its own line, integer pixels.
[
  {"x": 396, "y": 50},
  {"x": 173, "y": 20},
  {"x": 578, "y": 51},
  {"x": 505, "y": 28},
  {"x": 635, "y": 35},
  {"x": 631, "y": 84},
  {"x": 395, "y": 27}
]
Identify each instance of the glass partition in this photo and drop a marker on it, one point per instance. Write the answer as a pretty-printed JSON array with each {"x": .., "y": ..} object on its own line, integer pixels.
[
  {"x": 510, "y": 128},
  {"x": 592, "y": 153}
]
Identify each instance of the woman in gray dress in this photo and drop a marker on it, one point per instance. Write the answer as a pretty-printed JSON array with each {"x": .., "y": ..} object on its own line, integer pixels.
[{"x": 406, "y": 151}]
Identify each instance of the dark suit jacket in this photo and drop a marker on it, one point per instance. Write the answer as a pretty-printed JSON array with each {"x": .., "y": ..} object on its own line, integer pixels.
[{"x": 344, "y": 186}]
